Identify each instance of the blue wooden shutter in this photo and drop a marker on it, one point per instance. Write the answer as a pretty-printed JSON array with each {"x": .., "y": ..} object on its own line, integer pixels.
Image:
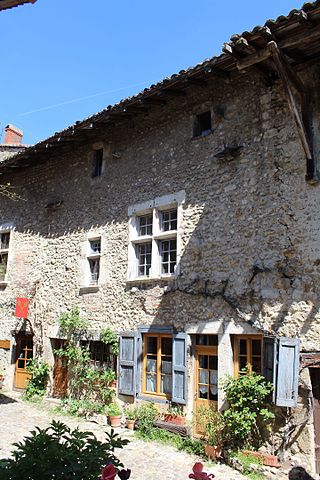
[
  {"x": 179, "y": 368},
  {"x": 288, "y": 372},
  {"x": 127, "y": 364},
  {"x": 270, "y": 361}
]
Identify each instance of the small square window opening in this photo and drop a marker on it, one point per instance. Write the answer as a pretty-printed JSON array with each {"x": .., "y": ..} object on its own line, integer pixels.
[{"x": 202, "y": 124}]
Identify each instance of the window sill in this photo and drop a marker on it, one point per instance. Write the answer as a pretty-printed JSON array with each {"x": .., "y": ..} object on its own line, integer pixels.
[
  {"x": 151, "y": 279},
  {"x": 204, "y": 135},
  {"x": 152, "y": 398},
  {"x": 89, "y": 289}
]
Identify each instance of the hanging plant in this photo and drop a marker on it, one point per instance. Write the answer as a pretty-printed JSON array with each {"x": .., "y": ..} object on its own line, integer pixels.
[{"x": 110, "y": 338}]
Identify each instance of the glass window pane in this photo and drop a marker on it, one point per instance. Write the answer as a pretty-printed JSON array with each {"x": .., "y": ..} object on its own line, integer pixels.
[
  {"x": 203, "y": 391},
  {"x": 166, "y": 384},
  {"x": 20, "y": 363},
  {"x": 243, "y": 347},
  {"x": 213, "y": 393},
  {"x": 29, "y": 353},
  {"x": 213, "y": 362},
  {"x": 151, "y": 383},
  {"x": 152, "y": 345},
  {"x": 166, "y": 346},
  {"x": 3, "y": 265},
  {"x": 95, "y": 246},
  {"x": 94, "y": 264},
  {"x": 169, "y": 220},
  {"x": 212, "y": 340},
  {"x": 144, "y": 258},
  {"x": 242, "y": 363},
  {"x": 203, "y": 376},
  {"x": 256, "y": 364},
  {"x": 152, "y": 364},
  {"x": 4, "y": 241},
  {"x": 213, "y": 377},
  {"x": 256, "y": 347},
  {"x": 203, "y": 361},
  {"x": 166, "y": 366},
  {"x": 145, "y": 225}
]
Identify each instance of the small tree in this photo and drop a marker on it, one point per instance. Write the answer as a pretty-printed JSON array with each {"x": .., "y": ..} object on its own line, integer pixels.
[{"x": 248, "y": 418}]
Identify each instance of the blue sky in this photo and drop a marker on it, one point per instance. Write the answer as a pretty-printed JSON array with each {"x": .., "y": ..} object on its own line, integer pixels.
[{"x": 63, "y": 60}]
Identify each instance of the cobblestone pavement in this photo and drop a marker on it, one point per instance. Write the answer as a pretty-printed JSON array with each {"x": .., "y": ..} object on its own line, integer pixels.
[{"x": 148, "y": 461}]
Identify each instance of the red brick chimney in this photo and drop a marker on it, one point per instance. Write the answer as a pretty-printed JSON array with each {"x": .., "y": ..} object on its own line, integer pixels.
[{"x": 13, "y": 135}]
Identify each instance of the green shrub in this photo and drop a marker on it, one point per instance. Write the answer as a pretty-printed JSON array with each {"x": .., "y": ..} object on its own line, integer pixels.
[
  {"x": 187, "y": 444},
  {"x": 58, "y": 453},
  {"x": 248, "y": 418},
  {"x": 81, "y": 407},
  {"x": 146, "y": 415},
  {"x": 37, "y": 385},
  {"x": 113, "y": 410}
]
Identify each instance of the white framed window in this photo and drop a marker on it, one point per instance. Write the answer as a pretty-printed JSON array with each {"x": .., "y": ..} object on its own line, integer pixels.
[
  {"x": 154, "y": 237},
  {"x": 5, "y": 238},
  {"x": 93, "y": 261}
]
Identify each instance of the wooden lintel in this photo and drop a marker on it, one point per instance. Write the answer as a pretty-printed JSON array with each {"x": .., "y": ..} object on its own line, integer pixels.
[{"x": 254, "y": 59}]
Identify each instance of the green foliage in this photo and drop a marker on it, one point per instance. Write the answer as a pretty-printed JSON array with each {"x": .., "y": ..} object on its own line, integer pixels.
[
  {"x": 71, "y": 323},
  {"x": 37, "y": 385},
  {"x": 110, "y": 338},
  {"x": 248, "y": 418},
  {"x": 113, "y": 410},
  {"x": 213, "y": 425},
  {"x": 131, "y": 412},
  {"x": 247, "y": 461},
  {"x": 81, "y": 408},
  {"x": 85, "y": 382},
  {"x": 186, "y": 444},
  {"x": 57, "y": 452},
  {"x": 146, "y": 415}
]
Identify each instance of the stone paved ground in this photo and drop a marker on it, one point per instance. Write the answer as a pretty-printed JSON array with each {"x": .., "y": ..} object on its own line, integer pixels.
[{"x": 148, "y": 461}]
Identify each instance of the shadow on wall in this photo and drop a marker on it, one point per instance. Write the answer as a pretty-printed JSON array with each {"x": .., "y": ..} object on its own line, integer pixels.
[{"x": 299, "y": 473}]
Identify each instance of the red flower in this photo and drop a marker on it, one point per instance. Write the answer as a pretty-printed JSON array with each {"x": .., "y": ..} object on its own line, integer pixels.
[
  {"x": 199, "y": 474},
  {"x": 109, "y": 472}
]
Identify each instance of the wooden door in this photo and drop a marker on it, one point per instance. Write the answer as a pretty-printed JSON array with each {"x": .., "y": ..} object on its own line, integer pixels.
[
  {"x": 24, "y": 353},
  {"x": 315, "y": 381},
  {"x": 60, "y": 372},
  {"x": 206, "y": 383}
]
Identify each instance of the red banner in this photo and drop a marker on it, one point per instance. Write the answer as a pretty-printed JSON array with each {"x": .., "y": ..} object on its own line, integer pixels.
[{"x": 22, "y": 307}]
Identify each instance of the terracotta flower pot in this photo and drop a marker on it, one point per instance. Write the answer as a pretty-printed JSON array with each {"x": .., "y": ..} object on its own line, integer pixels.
[
  {"x": 115, "y": 421},
  {"x": 213, "y": 451},
  {"x": 131, "y": 424},
  {"x": 267, "y": 459},
  {"x": 175, "y": 419}
]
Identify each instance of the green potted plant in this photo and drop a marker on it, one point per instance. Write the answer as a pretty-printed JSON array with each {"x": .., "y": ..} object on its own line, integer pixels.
[
  {"x": 212, "y": 424},
  {"x": 114, "y": 411},
  {"x": 131, "y": 414},
  {"x": 174, "y": 415}
]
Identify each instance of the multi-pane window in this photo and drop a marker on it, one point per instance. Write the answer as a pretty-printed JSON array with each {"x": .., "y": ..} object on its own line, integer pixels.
[
  {"x": 168, "y": 249},
  {"x": 157, "y": 365},
  {"x": 4, "y": 252},
  {"x": 168, "y": 220},
  {"x": 144, "y": 259},
  {"x": 145, "y": 225},
  {"x": 93, "y": 259},
  {"x": 248, "y": 354},
  {"x": 154, "y": 242},
  {"x": 100, "y": 355}
]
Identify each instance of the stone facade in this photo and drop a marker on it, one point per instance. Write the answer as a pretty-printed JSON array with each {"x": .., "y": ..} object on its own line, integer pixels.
[{"x": 250, "y": 246}]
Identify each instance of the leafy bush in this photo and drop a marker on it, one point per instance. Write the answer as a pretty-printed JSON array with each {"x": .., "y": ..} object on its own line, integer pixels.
[
  {"x": 80, "y": 407},
  {"x": 110, "y": 338},
  {"x": 58, "y": 453},
  {"x": 37, "y": 385},
  {"x": 146, "y": 414},
  {"x": 187, "y": 444},
  {"x": 248, "y": 418},
  {"x": 113, "y": 410},
  {"x": 213, "y": 425}
]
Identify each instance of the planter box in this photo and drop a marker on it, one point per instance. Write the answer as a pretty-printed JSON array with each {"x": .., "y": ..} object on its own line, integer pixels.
[
  {"x": 175, "y": 419},
  {"x": 267, "y": 459}
]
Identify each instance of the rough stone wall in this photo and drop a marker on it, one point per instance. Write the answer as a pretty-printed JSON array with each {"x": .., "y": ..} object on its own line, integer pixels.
[{"x": 251, "y": 249}]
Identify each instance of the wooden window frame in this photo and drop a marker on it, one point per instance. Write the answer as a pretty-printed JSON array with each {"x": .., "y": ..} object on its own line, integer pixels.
[
  {"x": 144, "y": 365},
  {"x": 249, "y": 339}
]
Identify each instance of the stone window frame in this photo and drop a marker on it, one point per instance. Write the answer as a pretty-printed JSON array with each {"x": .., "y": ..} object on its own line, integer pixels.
[
  {"x": 155, "y": 208},
  {"x": 88, "y": 255},
  {"x": 6, "y": 228}
]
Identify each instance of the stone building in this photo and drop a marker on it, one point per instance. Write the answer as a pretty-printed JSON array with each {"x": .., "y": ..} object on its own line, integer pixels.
[{"x": 186, "y": 219}]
